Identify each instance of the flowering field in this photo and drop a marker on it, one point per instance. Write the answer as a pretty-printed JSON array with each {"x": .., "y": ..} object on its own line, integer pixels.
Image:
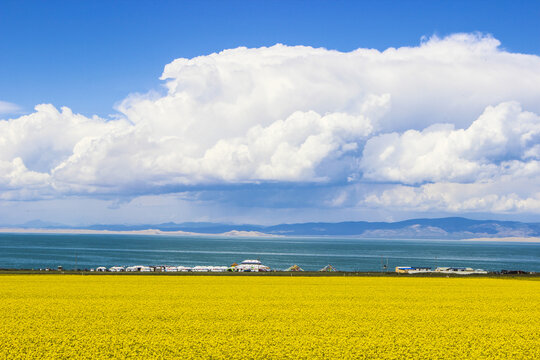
[{"x": 222, "y": 317}]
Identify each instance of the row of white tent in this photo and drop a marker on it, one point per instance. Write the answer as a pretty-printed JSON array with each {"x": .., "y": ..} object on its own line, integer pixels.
[
  {"x": 238, "y": 268},
  {"x": 440, "y": 269},
  {"x": 143, "y": 268},
  {"x": 244, "y": 266}
]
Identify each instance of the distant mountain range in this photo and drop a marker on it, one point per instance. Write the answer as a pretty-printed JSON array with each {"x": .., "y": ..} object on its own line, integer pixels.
[{"x": 440, "y": 228}]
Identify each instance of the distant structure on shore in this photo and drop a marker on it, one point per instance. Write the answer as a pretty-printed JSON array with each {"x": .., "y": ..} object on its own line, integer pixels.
[
  {"x": 328, "y": 268},
  {"x": 251, "y": 265},
  {"x": 244, "y": 266},
  {"x": 440, "y": 270},
  {"x": 295, "y": 268}
]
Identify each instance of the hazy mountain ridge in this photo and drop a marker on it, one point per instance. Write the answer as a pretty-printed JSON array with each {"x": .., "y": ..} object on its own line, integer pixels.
[{"x": 441, "y": 228}]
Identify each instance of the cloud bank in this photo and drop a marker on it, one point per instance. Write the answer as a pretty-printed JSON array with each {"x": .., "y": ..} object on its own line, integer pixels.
[{"x": 451, "y": 124}]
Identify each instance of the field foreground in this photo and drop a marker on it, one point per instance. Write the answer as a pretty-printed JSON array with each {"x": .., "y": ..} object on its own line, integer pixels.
[{"x": 81, "y": 317}]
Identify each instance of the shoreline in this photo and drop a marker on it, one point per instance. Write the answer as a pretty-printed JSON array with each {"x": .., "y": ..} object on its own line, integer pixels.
[
  {"x": 511, "y": 239},
  {"x": 233, "y": 233},
  {"x": 379, "y": 274},
  {"x": 240, "y": 234}
]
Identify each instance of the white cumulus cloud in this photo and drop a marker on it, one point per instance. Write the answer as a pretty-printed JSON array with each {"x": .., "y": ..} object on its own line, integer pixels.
[
  {"x": 450, "y": 112},
  {"x": 504, "y": 139},
  {"x": 504, "y": 196}
]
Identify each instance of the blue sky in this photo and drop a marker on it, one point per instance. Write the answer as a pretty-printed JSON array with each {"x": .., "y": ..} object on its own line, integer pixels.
[
  {"x": 88, "y": 55},
  {"x": 445, "y": 123}
]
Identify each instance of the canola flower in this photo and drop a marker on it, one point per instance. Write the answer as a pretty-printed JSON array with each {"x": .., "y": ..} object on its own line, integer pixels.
[{"x": 221, "y": 317}]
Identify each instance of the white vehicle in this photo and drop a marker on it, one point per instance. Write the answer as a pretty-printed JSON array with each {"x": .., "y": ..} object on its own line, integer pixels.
[
  {"x": 116, "y": 269},
  {"x": 101, "y": 269},
  {"x": 171, "y": 269}
]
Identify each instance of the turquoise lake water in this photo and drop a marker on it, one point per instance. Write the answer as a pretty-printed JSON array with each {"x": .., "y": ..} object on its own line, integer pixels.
[{"x": 25, "y": 251}]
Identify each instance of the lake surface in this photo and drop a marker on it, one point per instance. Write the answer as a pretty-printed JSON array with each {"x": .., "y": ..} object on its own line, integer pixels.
[{"x": 34, "y": 251}]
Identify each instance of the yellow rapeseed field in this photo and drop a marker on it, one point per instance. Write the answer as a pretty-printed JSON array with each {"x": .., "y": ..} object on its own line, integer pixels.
[{"x": 232, "y": 317}]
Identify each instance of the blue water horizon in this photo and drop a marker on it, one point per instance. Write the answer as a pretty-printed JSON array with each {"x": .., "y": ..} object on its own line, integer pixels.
[{"x": 85, "y": 251}]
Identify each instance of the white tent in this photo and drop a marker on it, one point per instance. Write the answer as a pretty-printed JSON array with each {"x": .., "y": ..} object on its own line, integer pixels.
[
  {"x": 201, "y": 269},
  {"x": 251, "y": 265},
  {"x": 141, "y": 268}
]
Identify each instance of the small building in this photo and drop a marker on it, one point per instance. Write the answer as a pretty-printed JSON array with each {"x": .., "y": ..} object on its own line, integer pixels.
[
  {"x": 412, "y": 270},
  {"x": 201, "y": 268},
  {"x": 250, "y": 266},
  {"x": 218, "y": 268},
  {"x": 460, "y": 270},
  {"x": 140, "y": 268},
  {"x": 101, "y": 269},
  {"x": 209, "y": 268}
]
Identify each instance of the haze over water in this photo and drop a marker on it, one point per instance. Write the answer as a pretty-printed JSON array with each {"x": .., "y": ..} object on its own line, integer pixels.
[{"x": 33, "y": 251}]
